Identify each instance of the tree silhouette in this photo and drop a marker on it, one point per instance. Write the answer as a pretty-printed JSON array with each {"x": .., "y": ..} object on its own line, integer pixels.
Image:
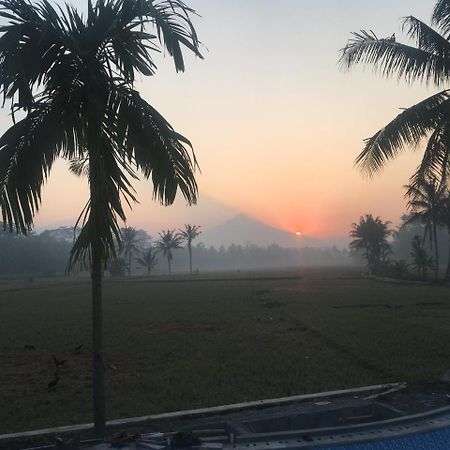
[
  {"x": 168, "y": 242},
  {"x": 370, "y": 236},
  {"x": 444, "y": 220},
  {"x": 148, "y": 260},
  {"x": 425, "y": 203},
  {"x": 421, "y": 261},
  {"x": 117, "y": 267},
  {"x": 189, "y": 233},
  {"x": 428, "y": 61},
  {"x": 71, "y": 78},
  {"x": 129, "y": 245}
]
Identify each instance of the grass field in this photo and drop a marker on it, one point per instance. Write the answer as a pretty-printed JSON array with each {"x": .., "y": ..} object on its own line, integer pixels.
[{"x": 177, "y": 345}]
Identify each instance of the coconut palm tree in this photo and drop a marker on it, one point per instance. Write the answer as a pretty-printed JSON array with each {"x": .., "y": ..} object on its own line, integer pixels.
[
  {"x": 370, "y": 236},
  {"x": 421, "y": 261},
  {"x": 425, "y": 203},
  {"x": 168, "y": 242},
  {"x": 428, "y": 61},
  {"x": 70, "y": 81},
  {"x": 148, "y": 260},
  {"x": 189, "y": 233},
  {"x": 444, "y": 221},
  {"x": 129, "y": 245}
]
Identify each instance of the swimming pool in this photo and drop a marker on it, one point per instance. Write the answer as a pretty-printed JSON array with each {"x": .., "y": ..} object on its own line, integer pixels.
[{"x": 436, "y": 440}]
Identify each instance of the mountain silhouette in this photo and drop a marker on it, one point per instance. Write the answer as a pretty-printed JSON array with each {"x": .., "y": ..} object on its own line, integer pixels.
[{"x": 245, "y": 230}]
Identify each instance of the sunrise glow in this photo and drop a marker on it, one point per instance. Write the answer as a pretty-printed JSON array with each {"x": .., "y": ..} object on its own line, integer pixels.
[{"x": 282, "y": 172}]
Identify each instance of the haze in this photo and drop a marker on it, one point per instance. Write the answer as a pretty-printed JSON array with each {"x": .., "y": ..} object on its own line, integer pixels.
[{"x": 275, "y": 123}]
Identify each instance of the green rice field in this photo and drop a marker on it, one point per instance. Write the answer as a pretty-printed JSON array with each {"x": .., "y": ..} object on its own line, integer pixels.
[{"x": 187, "y": 343}]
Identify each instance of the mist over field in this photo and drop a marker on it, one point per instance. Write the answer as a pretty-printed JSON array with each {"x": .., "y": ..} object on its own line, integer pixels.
[
  {"x": 239, "y": 243},
  {"x": 46, "y": 253}
]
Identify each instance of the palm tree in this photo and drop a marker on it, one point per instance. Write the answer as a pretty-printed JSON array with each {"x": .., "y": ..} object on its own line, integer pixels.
[
  {"x": 71, "y": 78},
  {"x": 421, "y": 261},
  {"x": 425, "y": 203},
  {"x": 148, "y": 260},
  {"x": 428, "y": 61},
  {"x": 370, "y": 236},
  {"x": 444, "y": 220},
  {"x": 117, "y": 267},
  {"x": 168, "y": 242},
  {"x": 189, "y": 233},
  {"x": 129, "y": 245}
]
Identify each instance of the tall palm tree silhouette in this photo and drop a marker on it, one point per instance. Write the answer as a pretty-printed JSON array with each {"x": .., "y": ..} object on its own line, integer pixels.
[
  {"x": 129, "y": 245},
  {"x": 189, "y": 233},
  {"x": 168, "y": 242},
  {"x": 72, "y": 79},
  {"x": 425, "y": 201}
]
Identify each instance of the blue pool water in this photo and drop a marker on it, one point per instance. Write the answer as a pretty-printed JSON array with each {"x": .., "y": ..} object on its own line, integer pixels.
[{"x": 436, "y": 440}]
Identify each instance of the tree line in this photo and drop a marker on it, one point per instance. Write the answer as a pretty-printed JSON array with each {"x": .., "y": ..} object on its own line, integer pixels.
[
  {"x": 426, "y": 228},
  {"x": 134, "y": 247},
  {"x": 424, "y": 58},
  {"x": 47, "y": 254}
]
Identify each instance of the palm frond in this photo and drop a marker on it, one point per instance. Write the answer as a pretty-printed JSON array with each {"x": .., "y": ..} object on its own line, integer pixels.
[
  {"x": 435, "y": 164},
  {"x": 426, "y": 37},
  {"x": 174, "y": 28},
  {"x": 190, "y": 232},
  {"x": 109, "y": 184},
  {"x": 151, "y": 143},
  {"x": 390, "y": 57},
  {"x": 31, "y": 44},
  {"x": 407, "y": 129},
  {"x": 441, "y": 16},
  {"x": 27, "y": 152}
]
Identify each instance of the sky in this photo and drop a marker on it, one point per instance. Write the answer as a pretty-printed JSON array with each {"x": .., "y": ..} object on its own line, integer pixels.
[{"x": 275, "y": 122}]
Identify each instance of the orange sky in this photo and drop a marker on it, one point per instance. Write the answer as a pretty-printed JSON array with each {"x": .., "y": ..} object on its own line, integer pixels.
[{"x": 275, "y": 123}]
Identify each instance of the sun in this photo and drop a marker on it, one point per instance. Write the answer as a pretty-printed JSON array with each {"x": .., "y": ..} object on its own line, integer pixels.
[{"x": 298, "y": 233}]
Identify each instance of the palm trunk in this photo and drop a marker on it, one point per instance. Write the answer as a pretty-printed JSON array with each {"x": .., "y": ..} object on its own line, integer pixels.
[
  {"x": 190, "y": 258},
  {"x": 436, "y": 251},
  {"x": 168, "y": 262},
  {"x": 98, "y": 373},
  {"x": 129, "y": 265},
  {"x": 98, "y": 368}
]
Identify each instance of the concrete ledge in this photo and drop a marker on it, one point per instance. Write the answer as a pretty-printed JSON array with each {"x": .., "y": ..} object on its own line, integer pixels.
[{"x": 37, "y": 436}]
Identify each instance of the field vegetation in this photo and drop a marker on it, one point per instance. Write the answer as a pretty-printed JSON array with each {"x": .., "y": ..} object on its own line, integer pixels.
[{"x": 190, "y": 342}]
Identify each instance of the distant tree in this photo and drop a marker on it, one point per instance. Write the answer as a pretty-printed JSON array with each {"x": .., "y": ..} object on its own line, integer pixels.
[
  {"x": 129, "y": 245},
  {"x": 425, "y": 201},
  {"x": 426, "y": 61},
  {"x": 189, "y": 233},
  {"x": 117, "y": 267},
  {"x": 370, "y": 237},
  {"x": 399, "y": 269},
  {"x": 421, "y": 261},
  {"x": 148, "y": 260},
  {"x": 168, "y": 242},
  {"x": 444, "y": 220},
  {"x": 68, "y": 234}
]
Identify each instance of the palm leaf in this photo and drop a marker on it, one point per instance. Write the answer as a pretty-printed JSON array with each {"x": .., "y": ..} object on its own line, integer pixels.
[
  {"x": 441, "y": 16},
  {"x": 435, "y": 161},
  {"x": 151, "y": 143},
  {"x": 407, "y": 129},
  {"x": 426, "y": 38},
  {"x": 390, "y": 57}
]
